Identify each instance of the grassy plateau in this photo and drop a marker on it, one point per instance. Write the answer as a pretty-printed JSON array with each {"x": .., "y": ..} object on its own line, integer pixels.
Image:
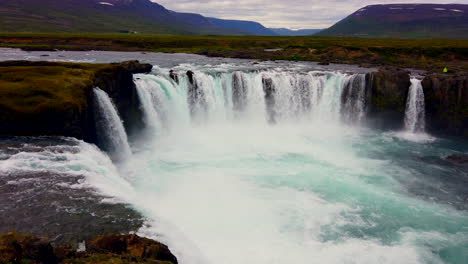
[{"x": 427, "y": 54}]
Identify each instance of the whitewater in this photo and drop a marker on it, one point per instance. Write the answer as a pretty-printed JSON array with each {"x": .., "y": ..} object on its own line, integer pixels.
[
  {"x": 231, "y": 174},
  {"x": 268, "y": 166}
]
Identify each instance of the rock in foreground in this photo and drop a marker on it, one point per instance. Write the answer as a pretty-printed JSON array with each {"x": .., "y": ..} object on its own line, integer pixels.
[
  {"x": 21, "y": 248},
  {"x": 458, "y": 159}
]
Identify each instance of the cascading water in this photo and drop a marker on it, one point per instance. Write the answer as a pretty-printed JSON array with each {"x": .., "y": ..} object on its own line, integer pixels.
[
  {"x": 259, "y": 96},
  {"x": 268, "y": 163},
  {"x": 110, "y": 130},
  {"x": 415, "y": 112},
  {"x": 354, "y": 98},
  {"x": 263, "y": 167}
]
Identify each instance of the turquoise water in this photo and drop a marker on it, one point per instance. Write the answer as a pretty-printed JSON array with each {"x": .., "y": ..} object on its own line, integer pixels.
[
  {"x": 219, "y": 183},
  {"x": 231, "y": 188}
]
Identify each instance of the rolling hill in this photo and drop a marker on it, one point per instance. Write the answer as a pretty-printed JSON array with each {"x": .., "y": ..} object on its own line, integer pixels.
[{"x": 404, "y": 21}]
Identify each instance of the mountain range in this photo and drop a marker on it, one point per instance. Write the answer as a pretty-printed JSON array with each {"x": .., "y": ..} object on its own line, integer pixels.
[
  {"x": 404, "y": 21},
  {"x": 145, "y": 16},
  {"x": 114, "y": 16}
]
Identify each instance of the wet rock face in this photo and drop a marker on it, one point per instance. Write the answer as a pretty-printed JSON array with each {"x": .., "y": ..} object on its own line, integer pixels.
[
  {"x": 173, "y": 75},
  {"x": 196, "y": 96},
  {"x": 269, "y": 89},
  {"x": 447, "y": 103},
  {"x": 117, "y": 81},
  {"x": 389, "y": 89},
  {"x": 388, "y": 92}
]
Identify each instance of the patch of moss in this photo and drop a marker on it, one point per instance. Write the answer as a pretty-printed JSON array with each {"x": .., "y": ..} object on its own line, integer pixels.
[{"x": 34, "y": 88}]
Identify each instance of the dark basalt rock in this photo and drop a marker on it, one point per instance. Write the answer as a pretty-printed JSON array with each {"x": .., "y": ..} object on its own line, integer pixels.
[
  {"x": 196, "y": 96},
  {"x": 239, "y": 91},
  {"x": 388, "y": 92},
  {"x": 458, "y": 159},
  {"x": 174, "y": 76},
  {"x": 117, "y": 81},
  {"x": 447, "y": 103},
  {"x": 190, "y": 76},
  {"x": 269, "y": 89}
]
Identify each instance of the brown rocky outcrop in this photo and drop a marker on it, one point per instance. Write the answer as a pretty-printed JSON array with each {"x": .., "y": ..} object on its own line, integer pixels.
[
  {"x": 15, "y": 248},
  {"x": 120, "y": 249},
  {"x": 132, "y": 245}
]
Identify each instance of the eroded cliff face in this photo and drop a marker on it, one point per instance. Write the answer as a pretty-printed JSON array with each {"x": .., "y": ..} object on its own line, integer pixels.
[
  {"x": 117, "y": 82},
  {"x": 447, "y": 103},
  {"x": 388, "y": 90},
  {"x": 56, "y": 99}
]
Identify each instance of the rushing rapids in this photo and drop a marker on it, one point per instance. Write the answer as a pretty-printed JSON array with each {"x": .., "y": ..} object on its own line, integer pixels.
[{"x": 274, "y": 165}]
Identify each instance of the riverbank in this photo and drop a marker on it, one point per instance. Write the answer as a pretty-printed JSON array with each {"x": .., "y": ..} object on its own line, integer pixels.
[{"x": 429, "y": 55}]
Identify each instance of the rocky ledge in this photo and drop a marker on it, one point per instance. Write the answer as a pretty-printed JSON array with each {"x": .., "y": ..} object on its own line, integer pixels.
[
  {"x": 447, "y": 103},
  {"x": 55, "y": 99},
  {"x": 446, "y": 100},
  {"x": 119, "y": 249}
]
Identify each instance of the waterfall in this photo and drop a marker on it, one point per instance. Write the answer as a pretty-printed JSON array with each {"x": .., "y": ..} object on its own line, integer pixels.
[
  {"x": 354, "y": 98},
  {"x": 260, "y": 96},
  {"x": 415, "y": 112},
  {"x": 110, "y": 130}
]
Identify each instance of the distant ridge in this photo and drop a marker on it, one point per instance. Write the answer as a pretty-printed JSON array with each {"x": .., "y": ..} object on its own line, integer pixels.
[
  {"x": 404, "y": 21},
  {"x": 299, "y": 32},
  {"x": 245, "y": 27}
]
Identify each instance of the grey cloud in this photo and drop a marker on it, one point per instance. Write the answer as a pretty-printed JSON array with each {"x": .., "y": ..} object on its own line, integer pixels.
[{"x": 281, "y": 13}]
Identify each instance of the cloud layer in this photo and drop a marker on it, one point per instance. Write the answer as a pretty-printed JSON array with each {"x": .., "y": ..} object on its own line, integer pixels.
[{"x": 293, "y": 14}]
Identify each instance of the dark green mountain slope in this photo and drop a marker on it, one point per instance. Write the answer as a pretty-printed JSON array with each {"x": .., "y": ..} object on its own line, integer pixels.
[
  {"x": 100, "y": 16},
  {"x": 404, "y": 21}
]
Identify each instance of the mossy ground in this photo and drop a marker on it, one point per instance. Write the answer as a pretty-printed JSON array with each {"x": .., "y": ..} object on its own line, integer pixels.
[{"x": 32, "y": 88}]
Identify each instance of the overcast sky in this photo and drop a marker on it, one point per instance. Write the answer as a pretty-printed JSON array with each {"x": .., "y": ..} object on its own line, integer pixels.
[{"x": 293, "y": 14}]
